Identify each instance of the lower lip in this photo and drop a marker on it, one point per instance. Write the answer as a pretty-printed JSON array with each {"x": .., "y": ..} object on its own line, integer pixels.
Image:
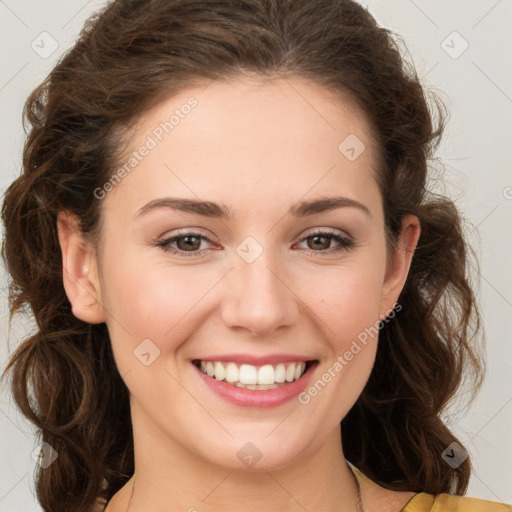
[{"x": 257, "y": 397}]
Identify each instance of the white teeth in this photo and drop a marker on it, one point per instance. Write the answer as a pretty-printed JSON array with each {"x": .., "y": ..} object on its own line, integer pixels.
[
  {"x": 280, "y": 373},
  {"x": 231, "y": 372},
  {"x": 220, "y": 373},
  {"x": 266, "y": 374},
  {"x": 251, "y": 377},
  {"x": 248, "y": 374},
  {"x": 290, "y": 373}
]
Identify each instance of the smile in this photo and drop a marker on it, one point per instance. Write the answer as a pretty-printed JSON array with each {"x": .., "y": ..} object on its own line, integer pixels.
[{"x": 248, "y": 376}]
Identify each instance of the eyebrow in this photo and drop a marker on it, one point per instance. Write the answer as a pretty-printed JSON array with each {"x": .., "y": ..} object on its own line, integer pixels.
[{"x": 214, "y": 210}]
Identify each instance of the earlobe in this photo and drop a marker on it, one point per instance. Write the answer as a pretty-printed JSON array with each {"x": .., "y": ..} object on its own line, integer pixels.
[
  {"x": 79, "y": 271},
  {"x": 398, "y": 269}
]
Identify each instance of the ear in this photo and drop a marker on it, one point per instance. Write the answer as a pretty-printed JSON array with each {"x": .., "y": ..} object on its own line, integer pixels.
[
  {"x": 79, "y": 271},
  {"x": 398, "y": 268}
]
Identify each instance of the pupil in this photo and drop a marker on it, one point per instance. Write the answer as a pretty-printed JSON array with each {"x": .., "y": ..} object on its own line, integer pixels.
[
  {"x": 188, "y": 243},
  {"x": 316, "y": 238}
]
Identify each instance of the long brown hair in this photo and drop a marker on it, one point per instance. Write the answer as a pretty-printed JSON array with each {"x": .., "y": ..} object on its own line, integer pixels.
[{"x": 129, "y": 56}]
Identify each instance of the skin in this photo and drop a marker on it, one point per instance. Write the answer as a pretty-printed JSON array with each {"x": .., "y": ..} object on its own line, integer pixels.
[{"x": 257, "y": 148}]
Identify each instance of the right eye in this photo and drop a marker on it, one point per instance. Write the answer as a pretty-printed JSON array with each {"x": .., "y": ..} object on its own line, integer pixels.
[{"x": 190, "y": 241}]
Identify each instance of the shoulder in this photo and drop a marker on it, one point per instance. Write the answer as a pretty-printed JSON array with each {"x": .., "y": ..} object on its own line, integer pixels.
[{"x": 424, "y": 502}]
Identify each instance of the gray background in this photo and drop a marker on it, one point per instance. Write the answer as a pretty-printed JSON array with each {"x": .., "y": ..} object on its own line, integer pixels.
[{"x": 477, "y": 85}]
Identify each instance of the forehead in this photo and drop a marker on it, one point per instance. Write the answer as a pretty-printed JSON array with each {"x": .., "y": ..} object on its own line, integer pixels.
[{"x": 247, "y": 139}]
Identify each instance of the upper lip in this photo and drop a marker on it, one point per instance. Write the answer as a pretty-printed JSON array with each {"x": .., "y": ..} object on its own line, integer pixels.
[{"x": 256, "y": 360}]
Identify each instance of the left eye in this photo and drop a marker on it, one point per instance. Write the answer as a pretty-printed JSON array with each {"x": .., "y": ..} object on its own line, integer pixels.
[
  {"x": 343, "y": 241},
  {"x": 188, "y": 243}
]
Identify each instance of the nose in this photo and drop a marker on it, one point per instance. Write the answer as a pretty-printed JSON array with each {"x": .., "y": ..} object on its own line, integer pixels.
[{"x": 259, "y": 297}]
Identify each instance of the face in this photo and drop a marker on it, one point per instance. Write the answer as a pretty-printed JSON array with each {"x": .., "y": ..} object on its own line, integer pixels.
[{"x": 278, "y": 288}]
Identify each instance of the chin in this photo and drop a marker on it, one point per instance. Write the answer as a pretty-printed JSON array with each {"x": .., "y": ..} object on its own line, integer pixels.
[{"x": 253, "y": 449}]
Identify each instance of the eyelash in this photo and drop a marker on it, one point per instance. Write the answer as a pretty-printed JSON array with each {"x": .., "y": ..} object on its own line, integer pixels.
[{"x": 345, "y": 243}]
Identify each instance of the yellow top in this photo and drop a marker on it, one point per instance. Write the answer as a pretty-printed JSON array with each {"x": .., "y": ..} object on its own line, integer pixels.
[{"x": 424, "y": 502}]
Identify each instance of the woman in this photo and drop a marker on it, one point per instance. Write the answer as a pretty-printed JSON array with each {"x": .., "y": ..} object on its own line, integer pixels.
[{"x": 246, "y": 296}]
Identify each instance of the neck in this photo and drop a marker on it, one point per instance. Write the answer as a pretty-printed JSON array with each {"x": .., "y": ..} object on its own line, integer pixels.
[{"x": 169, "y": 477}]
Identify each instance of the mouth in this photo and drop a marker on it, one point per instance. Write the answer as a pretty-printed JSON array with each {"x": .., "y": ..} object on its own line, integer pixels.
[{"x": 248, "y": 376}]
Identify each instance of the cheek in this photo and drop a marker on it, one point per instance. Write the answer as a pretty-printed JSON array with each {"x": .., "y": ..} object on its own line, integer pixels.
[
  {"x": 155, "y": 300},
  {"x": 353, "y": 346},
  {"x": 349, "y": 306},
  {"x": 149, "y": 300},
  {"x": 348, "y": 299}
]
